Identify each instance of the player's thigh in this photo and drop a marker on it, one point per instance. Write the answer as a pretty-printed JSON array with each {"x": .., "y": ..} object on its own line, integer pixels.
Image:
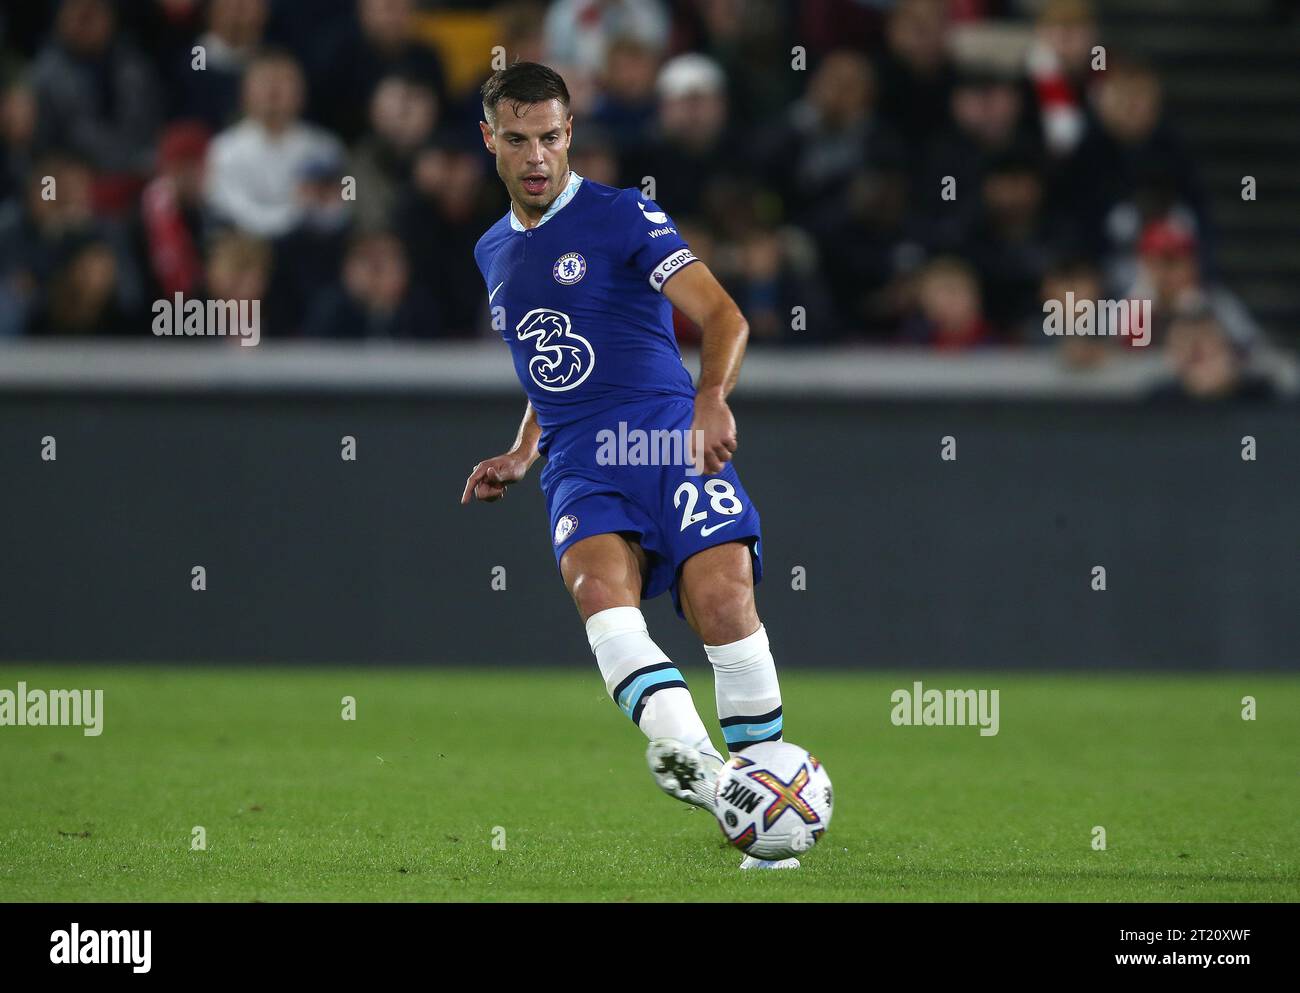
[
  {"x": 603, "y": 571},
  {"x": 717, "y": 593}
]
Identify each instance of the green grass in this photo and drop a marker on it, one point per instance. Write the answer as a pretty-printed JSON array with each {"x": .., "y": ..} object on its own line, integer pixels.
[{"x": 401, "y": 804}]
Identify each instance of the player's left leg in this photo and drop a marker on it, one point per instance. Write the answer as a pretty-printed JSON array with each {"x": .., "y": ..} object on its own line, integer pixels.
[{"x": 717, "y": 599}]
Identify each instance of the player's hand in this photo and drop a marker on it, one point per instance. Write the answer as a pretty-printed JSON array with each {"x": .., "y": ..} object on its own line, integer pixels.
[
  {"x": 489, "y": 479},
  {"x": 714, "y": 431}
]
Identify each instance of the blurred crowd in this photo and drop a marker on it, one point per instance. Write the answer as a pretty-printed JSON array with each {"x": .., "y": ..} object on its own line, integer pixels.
[{"x": 877, "y": 183}]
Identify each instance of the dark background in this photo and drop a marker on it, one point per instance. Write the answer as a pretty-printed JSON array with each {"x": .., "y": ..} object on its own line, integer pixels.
[{"x": 911, "y": 561}]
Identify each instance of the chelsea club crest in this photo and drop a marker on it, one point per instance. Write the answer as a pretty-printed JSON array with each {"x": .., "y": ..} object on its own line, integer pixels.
[
  {"x": 570, "y": 268},
  {"x": 564, "y": 527}
]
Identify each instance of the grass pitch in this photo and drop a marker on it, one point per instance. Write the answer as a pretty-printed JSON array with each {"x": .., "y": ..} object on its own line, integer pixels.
[{"x": 404, "y": 803}]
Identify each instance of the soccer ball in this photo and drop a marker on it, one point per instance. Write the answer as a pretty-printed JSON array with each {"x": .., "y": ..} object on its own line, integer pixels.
[{"x": 774, "y": 800}]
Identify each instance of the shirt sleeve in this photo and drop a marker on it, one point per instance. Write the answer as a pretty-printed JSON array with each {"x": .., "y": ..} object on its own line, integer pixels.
[{"x": 651, "y": 244}]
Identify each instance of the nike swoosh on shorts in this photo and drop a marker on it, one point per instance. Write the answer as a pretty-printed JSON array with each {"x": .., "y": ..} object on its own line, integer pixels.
[{"x": 705, "y": 532}]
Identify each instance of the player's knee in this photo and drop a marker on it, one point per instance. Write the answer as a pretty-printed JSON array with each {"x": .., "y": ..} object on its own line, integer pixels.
[
  {"x": 724, "y": 610},
  {"x": 593, "y": 593}
]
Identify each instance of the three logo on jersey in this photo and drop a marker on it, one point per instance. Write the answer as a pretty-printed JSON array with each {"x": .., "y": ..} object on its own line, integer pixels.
[{"x": 565, "y": 358}]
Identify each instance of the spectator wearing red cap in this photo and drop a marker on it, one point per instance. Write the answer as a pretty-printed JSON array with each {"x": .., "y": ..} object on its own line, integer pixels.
[{"x": 1170, "y": 276}]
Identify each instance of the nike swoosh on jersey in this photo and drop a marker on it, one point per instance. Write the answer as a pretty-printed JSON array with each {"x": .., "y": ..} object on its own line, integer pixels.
[
  {"x": 705, "y": 532},
  {"x": 494, "y": 292}
]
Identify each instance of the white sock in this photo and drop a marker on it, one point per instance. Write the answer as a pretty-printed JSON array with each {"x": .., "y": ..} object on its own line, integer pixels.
[
  {"x": 642, "y": 681},
  {"x": 749, "y": 696}
]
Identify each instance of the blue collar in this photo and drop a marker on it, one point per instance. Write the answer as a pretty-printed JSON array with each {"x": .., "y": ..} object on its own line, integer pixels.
[{"x": 565, "y": 196}]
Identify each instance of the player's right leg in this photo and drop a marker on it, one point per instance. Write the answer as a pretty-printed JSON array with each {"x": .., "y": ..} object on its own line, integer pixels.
[{"x": 604, "y": 575}]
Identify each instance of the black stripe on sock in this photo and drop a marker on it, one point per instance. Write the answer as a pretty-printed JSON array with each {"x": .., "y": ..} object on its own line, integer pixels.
[
  {"x": 618, "y": 690},
  {"x": 761, "y": 719},
  {"x": 651, "y": 691}
]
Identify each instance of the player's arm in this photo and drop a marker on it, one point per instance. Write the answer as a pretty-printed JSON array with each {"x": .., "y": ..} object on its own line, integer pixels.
[
  {"x": 697, "y": 294},
  {"x": 489, "y": 479}
]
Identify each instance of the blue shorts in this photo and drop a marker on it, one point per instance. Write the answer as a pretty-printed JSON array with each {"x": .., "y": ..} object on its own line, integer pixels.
[{"x": 623, "y": 472}]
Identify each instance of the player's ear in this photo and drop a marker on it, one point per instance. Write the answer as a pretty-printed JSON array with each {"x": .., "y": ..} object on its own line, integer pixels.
[{"x": 489, "y": 139}]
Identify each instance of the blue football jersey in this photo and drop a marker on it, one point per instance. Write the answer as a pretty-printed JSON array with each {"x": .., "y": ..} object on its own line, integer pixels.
[{"x": 579, "y": 300}]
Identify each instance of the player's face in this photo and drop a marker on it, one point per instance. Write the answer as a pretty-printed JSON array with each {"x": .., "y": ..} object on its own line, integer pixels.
[{"x": 531, "y": 145}]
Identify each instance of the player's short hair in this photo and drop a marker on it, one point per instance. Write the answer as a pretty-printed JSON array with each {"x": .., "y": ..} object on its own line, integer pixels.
[{"x": 520, "y": 85}]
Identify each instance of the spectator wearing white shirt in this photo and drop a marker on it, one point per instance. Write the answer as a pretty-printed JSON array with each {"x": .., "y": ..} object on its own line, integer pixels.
[{"x": 254, "y": 166}]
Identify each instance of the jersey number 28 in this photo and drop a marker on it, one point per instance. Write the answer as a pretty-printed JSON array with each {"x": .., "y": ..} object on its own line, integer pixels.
[{"x": 722, "y": 499}]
